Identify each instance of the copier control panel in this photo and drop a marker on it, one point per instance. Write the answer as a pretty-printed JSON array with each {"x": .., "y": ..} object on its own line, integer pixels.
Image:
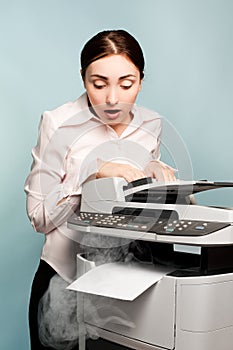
[{"x": 147, "y": 224}]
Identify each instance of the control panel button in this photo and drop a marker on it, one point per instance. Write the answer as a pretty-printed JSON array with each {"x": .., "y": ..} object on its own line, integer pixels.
[{"x": 199, "y": 227}]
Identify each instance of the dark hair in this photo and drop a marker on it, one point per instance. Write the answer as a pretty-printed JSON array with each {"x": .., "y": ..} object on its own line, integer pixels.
[{"x": 110, "y": 42}]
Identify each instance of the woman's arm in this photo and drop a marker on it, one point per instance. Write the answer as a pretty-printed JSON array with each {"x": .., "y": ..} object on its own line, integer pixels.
[{"x": 49, "y": 200}]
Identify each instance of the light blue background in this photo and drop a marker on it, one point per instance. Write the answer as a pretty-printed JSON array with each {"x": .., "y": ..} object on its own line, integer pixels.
[{"x": 189, "y": 79}]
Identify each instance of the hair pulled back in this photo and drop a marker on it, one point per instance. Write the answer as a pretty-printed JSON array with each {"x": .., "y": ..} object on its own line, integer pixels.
[{"x": 110, "y": 42}]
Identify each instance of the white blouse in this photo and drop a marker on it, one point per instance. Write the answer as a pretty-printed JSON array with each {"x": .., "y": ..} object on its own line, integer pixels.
[{"x": 71, "y": 141}]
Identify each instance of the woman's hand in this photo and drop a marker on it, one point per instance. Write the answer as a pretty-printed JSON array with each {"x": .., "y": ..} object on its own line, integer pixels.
[
  {"x": 128, "y": 172},
  {"x": 160, "y": 171}
]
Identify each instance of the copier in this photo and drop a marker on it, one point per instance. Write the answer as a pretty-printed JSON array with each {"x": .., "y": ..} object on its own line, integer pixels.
[{"x": 191, "y": 307}]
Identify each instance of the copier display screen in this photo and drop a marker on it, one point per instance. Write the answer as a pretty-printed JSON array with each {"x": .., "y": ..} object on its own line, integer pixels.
[{"x": 141, "y": 220}]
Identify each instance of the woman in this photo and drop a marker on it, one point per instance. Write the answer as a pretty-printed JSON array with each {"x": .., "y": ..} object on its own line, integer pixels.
[{"x": 70, "y": 151}]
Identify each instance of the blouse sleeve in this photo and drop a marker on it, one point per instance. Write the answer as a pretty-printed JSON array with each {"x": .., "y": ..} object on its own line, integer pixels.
[
  {"x": 156, "y": 152},
  {"x": 155, "y": 131},
  {"x": 49, "y": 198}
]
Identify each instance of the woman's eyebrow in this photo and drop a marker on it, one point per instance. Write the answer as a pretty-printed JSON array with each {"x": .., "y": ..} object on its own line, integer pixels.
[
  {"x": 99, "y": 76},
  {"x": 105, "y": 78},
  {"x": 127, "y": 76}
]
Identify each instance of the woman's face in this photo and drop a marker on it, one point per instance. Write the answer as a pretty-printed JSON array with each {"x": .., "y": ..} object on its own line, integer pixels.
[{"x": 112, "y": 84}]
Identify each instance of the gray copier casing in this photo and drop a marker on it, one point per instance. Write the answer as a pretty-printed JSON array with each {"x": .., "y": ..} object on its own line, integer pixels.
[{"x": 191, "y": 308}]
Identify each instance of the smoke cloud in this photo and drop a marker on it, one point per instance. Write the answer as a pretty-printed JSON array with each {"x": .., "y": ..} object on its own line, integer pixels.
[
  {"x": 60, "y": 309},
  {"x": 57, "y": 316}
]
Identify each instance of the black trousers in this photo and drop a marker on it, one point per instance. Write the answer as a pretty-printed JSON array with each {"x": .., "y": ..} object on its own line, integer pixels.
[{"x": 40, "y": 284}]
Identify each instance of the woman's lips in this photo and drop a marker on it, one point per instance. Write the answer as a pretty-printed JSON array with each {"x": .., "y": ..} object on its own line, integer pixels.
[{"x": 112, "y": 113}]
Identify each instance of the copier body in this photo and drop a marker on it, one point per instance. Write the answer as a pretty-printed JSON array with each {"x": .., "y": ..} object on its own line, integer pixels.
[
  {"x": 176, "y": 313},
  {"x": 189, "y": 308}
]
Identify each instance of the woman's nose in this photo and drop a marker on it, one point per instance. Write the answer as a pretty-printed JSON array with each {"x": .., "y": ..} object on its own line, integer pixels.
[{"x": 112, "y": 97}]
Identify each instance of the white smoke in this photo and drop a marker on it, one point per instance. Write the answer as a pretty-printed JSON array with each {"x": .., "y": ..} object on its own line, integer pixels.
[
  {"x": 60, "y": 309},
  {"x": 57, "y": 316}
]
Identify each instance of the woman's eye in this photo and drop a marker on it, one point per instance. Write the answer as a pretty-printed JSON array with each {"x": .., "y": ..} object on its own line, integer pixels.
[
  {"x": 99, "y": 85},
  {"x": 126, "y": 85}
]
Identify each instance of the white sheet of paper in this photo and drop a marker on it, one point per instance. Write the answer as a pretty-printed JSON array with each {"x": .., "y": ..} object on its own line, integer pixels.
[{"x": 125, "y": 281}]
